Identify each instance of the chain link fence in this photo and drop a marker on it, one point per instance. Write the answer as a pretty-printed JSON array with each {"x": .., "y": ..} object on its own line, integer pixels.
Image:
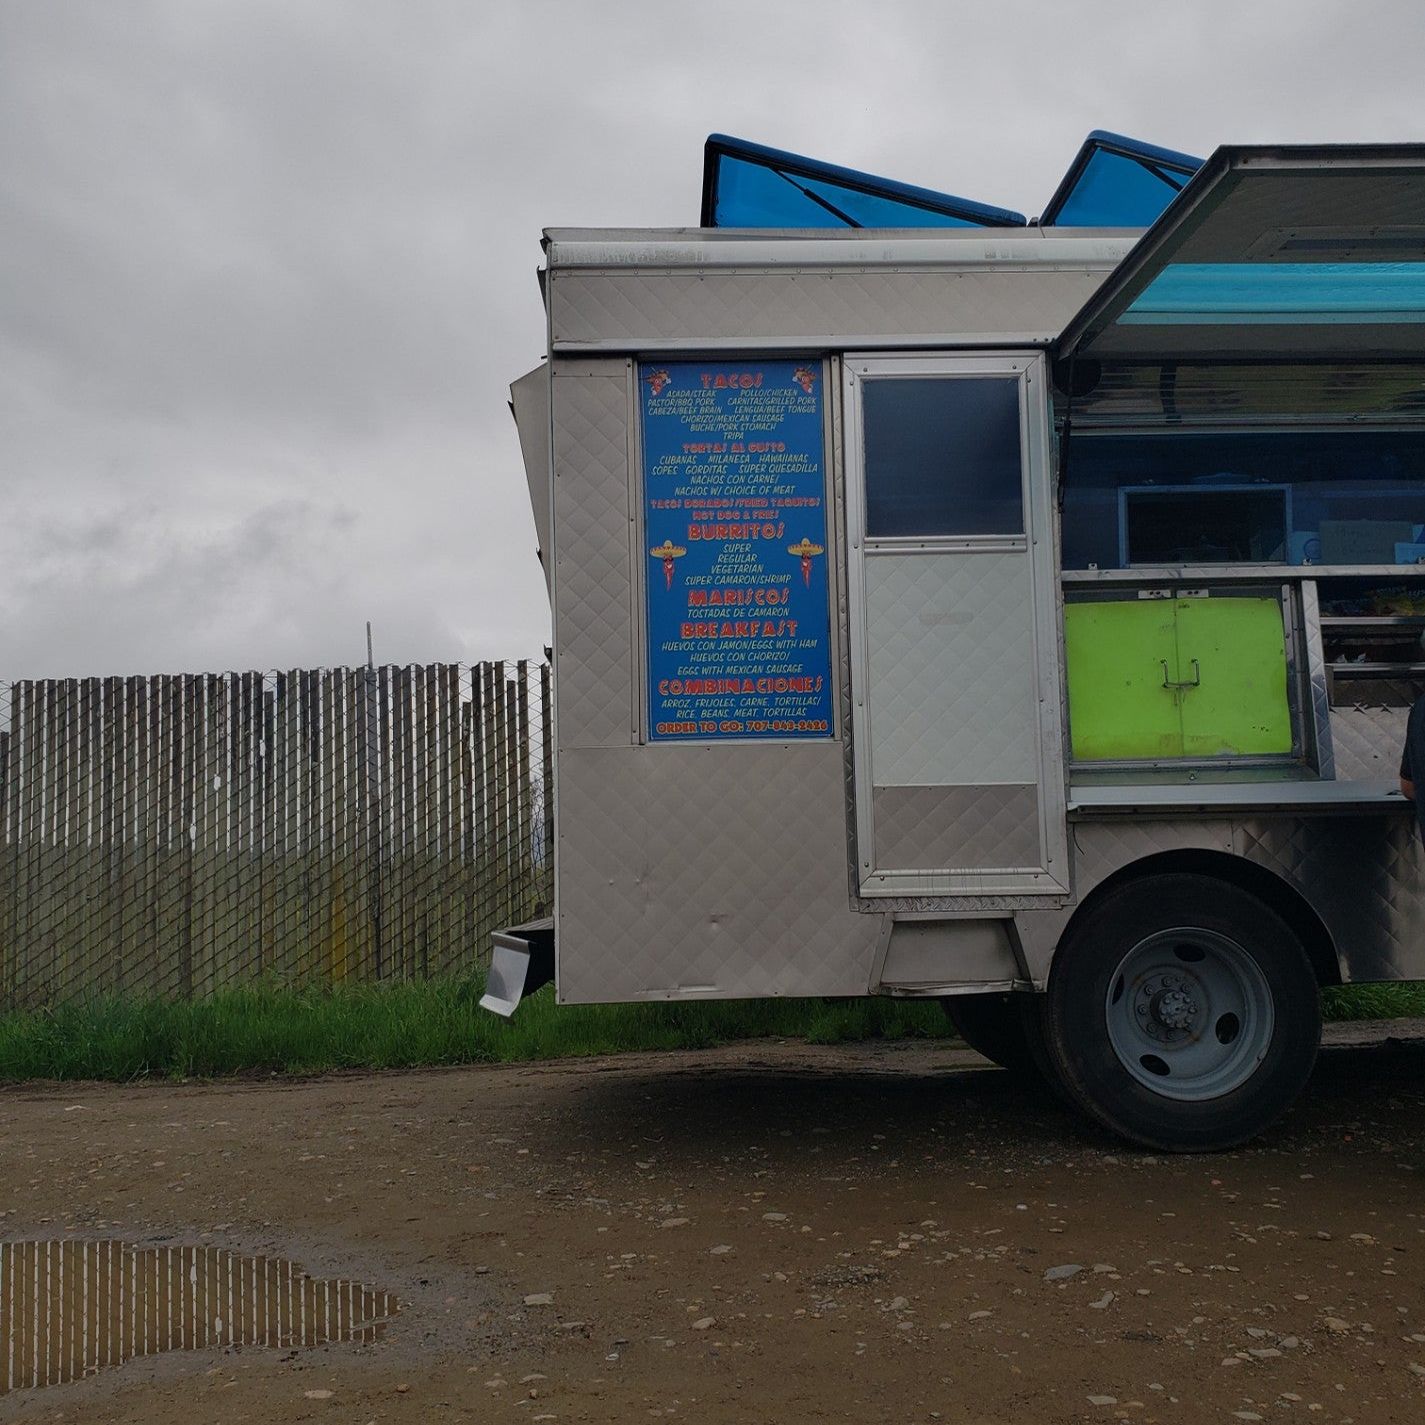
[{"x": 180, "y": 834}]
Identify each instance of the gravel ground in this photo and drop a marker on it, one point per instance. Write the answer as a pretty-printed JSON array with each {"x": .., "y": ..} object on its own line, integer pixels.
[{"x": 769, "y": 1232}]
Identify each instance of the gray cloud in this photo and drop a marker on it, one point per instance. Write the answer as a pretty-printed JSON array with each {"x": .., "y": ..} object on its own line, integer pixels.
[{"x": 269, "y": 267}]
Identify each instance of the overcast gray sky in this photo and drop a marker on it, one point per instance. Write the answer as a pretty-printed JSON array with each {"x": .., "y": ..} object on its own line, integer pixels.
[{"x": 267, "y": 266}]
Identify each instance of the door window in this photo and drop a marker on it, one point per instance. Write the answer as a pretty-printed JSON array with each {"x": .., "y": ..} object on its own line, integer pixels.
[{"x": 943, "y": 457}]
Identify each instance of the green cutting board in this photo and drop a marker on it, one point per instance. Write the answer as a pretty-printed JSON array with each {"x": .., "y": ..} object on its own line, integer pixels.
[
  {"x": 1118, "y": 707},
  {"x": 1239, "y": 707},
  {"x": 1224, "y": 663}
]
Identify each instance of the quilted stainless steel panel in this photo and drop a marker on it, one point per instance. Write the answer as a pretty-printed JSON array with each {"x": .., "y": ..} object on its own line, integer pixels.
[
  {"x": 956, "y": 828},
  {"x": 1364, "y": 875},
  {"x": 529, "y": 399},
  {"x": 716, "y": 871},
  {"x": 1367, "y": 742},
  {"x": 1099, "y": 848},
  {"x": 593, "y": 597},
  {"x": 950, "y": 639},
  {"x": 924, "y": 956},
  {"x": 1103, "y": 847},
  {"x": 633, "y": 309}
]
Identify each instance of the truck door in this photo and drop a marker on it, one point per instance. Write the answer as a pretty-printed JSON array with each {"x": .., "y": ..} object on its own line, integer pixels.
[{"x": 955, "y": 684}]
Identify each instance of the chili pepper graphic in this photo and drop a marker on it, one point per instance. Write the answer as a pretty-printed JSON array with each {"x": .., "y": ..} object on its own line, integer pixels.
[
  {"x": 658, "y": 379},
  {"x": 805, "y": 377},
  {"x": 806, "y": 549},
  {"x": 667, "y": 552}
]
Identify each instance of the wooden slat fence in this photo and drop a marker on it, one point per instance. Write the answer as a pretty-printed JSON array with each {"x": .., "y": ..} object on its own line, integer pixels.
[{"x": 178, "y": 834}]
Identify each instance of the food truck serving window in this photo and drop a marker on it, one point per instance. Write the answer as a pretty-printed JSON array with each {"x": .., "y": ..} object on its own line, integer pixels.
[
  {"x": 1283, "y": 496},
  {"x": 1284, "y": 289},
  {"x": 943, "y": 457}
]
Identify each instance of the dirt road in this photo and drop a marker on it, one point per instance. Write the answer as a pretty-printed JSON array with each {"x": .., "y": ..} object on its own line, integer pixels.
[{"x": 764, "y": 1233}]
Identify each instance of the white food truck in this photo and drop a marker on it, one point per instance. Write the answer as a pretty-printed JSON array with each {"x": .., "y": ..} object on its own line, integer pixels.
[{"x": 1024, "y": 615}]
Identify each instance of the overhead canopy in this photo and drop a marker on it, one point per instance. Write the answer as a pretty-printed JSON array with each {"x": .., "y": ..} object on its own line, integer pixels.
[
  {"x": 1274, "y": 253},
  {"x": 1117, "y": 182},
  {"x": 747, "y": 185}
]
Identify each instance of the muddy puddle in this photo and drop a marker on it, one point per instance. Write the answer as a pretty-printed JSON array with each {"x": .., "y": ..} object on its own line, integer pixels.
[{"x": 70, "y": 1309}]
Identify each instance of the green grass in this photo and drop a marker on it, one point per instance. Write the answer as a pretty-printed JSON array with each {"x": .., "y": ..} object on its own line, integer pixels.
[
  {"x": 269, "y": 1028},
  {"x": 1374, "y": 1001}
]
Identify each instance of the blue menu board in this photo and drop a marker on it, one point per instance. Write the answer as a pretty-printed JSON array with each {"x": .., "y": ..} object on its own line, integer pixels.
[{"x": 734, "y": 481}]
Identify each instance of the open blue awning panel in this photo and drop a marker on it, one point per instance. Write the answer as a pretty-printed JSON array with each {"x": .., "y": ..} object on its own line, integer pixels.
[
  {"x": 1246, "y": 293},
  {"x": 1117, "y": 182},
  {"x": 1273, "y": 253},
  {"x": 747, "y": 185}
]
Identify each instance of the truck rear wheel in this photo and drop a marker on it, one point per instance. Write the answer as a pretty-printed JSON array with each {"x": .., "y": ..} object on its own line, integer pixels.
[
  {"x": 1009, "y": 1030},
  {"x": 993, "y": 1025},
  {"x": 1183, "y": 1013}
]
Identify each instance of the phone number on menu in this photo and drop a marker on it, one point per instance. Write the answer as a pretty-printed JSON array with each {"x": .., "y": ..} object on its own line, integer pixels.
[{"x": 706, "y": 727}]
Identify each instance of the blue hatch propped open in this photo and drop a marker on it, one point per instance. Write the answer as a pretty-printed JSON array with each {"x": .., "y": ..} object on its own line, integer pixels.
[
  {"x": 1118, "y": 182},
  {"x": 1113, "y": 182},
  {"x": 748, "y": 185}
]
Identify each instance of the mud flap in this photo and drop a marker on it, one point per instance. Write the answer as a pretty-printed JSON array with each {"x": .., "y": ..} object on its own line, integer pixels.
[{"x": 521, "y": 960}]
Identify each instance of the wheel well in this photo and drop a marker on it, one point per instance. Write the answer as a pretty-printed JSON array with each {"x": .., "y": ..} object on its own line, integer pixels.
[{"x": 1267, "y": 886}]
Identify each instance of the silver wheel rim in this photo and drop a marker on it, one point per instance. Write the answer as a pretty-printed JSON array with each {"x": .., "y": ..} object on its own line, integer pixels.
[{"x": 1189, "y": 1014}]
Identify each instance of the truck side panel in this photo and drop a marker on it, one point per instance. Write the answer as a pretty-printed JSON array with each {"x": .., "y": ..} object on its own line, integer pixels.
[
  {"x": 594, "y": 631},
  {"x": 1360, "y": 875},
  {"x": 712, "y": 871},
  {"x": 982, "y": 304}
]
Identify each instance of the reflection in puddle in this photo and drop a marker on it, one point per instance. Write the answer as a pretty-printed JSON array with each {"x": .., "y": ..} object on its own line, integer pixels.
[{"x": 69, "y": 1309}]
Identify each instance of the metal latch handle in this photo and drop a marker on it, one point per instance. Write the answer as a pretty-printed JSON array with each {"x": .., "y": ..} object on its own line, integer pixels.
[{"x": 1192, "y": 682}]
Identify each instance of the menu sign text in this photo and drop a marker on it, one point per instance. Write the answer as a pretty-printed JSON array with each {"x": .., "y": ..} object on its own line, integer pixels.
[{"x": 736, "y": 546}]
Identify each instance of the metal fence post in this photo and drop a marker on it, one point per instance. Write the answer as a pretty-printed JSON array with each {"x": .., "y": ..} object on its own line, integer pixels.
[{"x": 370, "y": 784}]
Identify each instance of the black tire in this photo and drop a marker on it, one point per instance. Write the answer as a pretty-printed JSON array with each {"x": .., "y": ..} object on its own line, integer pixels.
[
  {"x": 1009, "y": 1030},
  {"x": 1034, "y": 1019},
  {"x": 1102, "y": 978},
  {"x": 993, "y": 1025}
]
